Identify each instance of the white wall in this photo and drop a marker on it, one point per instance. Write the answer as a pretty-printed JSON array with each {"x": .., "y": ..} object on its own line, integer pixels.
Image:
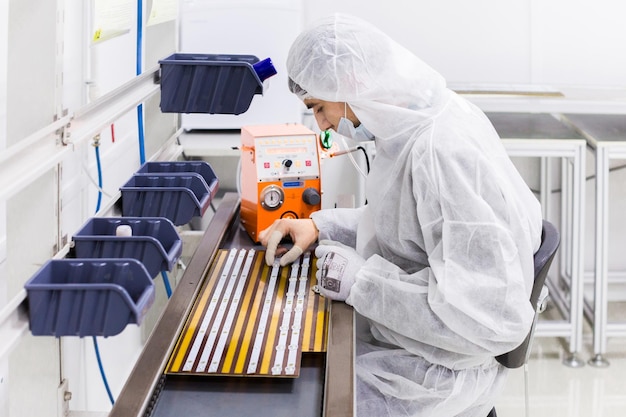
[
  {"x": 4, "y": 35},
  {"x": 45, "y": 63},
  {"x": 264, "y": 28},
  {"x": 557, "y": 42}
]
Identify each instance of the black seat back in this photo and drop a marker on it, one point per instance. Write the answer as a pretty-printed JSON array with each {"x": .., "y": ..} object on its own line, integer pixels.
[{"x": 550, "y": 239}]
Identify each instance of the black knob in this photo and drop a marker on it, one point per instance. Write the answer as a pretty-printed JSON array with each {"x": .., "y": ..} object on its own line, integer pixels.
[
  {"x": 311, "y": 196},
  {"x": 287, "y": 163}
]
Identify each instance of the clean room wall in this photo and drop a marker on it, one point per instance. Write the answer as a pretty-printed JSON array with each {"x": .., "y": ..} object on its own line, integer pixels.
[
  {"x": 4, "y": 34},
  {"x": 31, "y": 223},
  {"x": 558, "y": 42},
  {"x": 45, "y": 62}
]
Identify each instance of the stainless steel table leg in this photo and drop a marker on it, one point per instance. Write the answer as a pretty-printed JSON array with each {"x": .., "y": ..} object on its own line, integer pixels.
[
  {"x": 600, "y": 305},
  {"x": 576, "y": 257}
]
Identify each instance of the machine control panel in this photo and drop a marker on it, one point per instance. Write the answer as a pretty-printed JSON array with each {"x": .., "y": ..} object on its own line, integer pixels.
[
  {"x": 286, "y": 157},
  {"x": 280, "y": 175}
]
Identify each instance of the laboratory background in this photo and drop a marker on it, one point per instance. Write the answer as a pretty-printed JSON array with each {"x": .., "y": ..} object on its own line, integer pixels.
[{"x": 84, "y": 86}]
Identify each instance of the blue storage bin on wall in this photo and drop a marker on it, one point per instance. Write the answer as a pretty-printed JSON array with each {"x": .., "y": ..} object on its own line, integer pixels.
[
  {"x": 154, "y": 241},
  {"x": 199, "y": 167},
  {"x": 176, "y": 196},
  {"x": 88, "y": 297},
  {"x": 211, "y": 83}
]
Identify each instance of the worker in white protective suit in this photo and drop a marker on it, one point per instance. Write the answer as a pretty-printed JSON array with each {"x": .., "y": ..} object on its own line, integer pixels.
[{"x": 439, "y": 263}]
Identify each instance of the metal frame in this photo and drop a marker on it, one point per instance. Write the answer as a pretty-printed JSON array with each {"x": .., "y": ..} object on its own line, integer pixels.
[
  {"x": 339, "y": 392},
  {"x": 605, "y": 151},
  {"x": 571, "y": 259},
  {"x": 24, "y": 162}
]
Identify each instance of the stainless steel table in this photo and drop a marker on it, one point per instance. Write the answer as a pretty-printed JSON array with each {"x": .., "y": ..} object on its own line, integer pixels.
[
  {"x": 606, "y": 135},
  {"x": 542, "y": 135}
]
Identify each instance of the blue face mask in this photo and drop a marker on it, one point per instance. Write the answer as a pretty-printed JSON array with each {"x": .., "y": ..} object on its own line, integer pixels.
[{"x": 346, "y": 128}]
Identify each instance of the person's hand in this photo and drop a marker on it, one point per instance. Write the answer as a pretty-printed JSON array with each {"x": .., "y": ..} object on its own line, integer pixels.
[
  {"x": 303, "y": 233},
  {"x": 337, "y": 265}
]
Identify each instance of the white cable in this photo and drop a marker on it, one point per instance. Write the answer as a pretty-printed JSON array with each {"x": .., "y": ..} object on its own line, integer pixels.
[
  {"x": 356, "y": 165},
  {"x": 238, "y": 176},
  {"x": 94, "y": 182}
]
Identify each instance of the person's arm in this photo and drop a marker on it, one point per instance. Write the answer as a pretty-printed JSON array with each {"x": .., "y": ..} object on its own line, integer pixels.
[
  {"x": 472, "y": 298},
  {"x": 454, "y": 304},
  {"x": 339, "y": 224}
]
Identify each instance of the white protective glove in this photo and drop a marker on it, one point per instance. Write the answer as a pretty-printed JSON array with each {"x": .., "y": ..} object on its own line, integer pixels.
[
  {"x": 290, "y": 256},
  {"x": 337, "y": 265}
]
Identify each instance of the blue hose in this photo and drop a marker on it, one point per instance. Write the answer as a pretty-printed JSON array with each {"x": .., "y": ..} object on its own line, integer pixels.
[
  {"x": 99, "y": 165},
  {"x": 104, "y": 378},
  {"x": 95, "y": 341},
  {"x": 142, "y": 158},
  {"x": 138, "y": 70},
  {"x": 166, "y": 282}
]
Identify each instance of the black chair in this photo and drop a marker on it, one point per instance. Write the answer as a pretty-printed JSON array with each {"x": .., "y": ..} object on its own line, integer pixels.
[{"x": 550, "y": 239}]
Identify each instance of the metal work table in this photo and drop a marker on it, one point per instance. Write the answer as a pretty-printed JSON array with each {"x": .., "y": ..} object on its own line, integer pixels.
[
  {"x": 246, "y": 396},
  {"x": 543, "y": 135},
  {"x": 325, "y": 386},
  {"x": 606, "y": 135}
]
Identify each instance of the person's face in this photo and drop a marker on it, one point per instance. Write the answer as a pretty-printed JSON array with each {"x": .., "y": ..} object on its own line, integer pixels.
[{"x": 328, "y": 113}]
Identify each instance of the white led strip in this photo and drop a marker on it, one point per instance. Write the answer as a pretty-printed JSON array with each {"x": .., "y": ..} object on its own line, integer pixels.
[
  {"x": 232, "y": 311},
  {"x": 258, "y": 342},
  {"x": 297, "y": 320},
  {"x": 285, "y": 325},
  {"x": 219, "y": 317},
  {"x": 195, "y": 348}
]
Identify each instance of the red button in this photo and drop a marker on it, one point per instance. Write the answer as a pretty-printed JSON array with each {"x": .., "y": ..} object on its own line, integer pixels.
[
  {"x": 266, "y": 165},
  {"x": 307, "y": 163}
]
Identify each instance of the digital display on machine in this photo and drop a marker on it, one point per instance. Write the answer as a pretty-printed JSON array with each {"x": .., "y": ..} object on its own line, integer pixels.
[
  {"x": 284, "y": 150},
  {"x": 284, "y": 157}
]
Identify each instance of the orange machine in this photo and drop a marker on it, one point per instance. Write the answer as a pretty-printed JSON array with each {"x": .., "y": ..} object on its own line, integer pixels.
[{"x": 280, "y": 175}]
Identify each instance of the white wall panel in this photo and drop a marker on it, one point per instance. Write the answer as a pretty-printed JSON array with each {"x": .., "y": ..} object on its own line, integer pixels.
[
  {"x": 514, "y": 42},
  {"x": 31, "y": 70},
  {"x": 264, "y": 28},
  {"x": 579, "y": 43},
  {"x": 4, "y": 44},
  {"x": 4, "y": 55},
  {"x": 31, "y": 236}
]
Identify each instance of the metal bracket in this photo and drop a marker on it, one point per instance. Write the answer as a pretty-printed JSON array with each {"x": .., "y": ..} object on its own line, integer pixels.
[{"x": 64, "y": 396}]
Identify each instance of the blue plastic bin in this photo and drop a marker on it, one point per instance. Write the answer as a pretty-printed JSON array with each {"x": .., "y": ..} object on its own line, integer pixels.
[
  {"x": 88, "y": 297},
  {"x": 176, "y": 196},
  {"x": 154, "y": 241},
  {"x": 199, "y": 167},
  {"x": 208, "y": 83}
]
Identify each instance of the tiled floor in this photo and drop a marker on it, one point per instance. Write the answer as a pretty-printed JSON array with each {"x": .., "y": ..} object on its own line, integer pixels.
[{"x": 556, "y": 390}]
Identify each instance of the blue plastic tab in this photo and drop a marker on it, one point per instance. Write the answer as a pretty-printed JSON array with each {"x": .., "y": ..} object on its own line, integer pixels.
[{"x": 264, "y": 69}]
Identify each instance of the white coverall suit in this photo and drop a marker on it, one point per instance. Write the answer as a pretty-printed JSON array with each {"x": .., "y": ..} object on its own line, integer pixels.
[{"x": 447, "y": 235}]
